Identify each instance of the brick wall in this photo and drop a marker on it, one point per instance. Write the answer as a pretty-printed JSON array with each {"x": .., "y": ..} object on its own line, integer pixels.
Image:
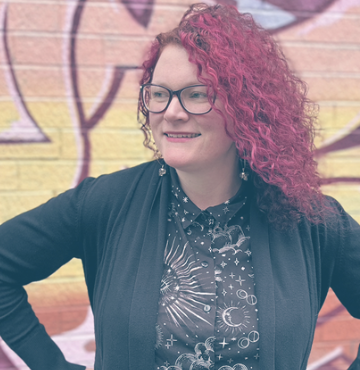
[{"x": 68, "y": 93}]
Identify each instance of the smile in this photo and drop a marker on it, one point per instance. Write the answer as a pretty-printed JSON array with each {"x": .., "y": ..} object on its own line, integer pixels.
[{"x": 182, "y": 135}]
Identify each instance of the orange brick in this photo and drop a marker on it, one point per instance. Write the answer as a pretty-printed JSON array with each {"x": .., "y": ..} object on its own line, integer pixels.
[
  {"x": 310, "y": 58},
  {"x": 91, "y": 80},
  {"x": 103, "y": 18},
  {"x": 165, "y": 19},
  {"x": 48, "y": 294},
  {"x": 72, "y": 318},
  {"x": 333, "y": 88},
  {"x": 342, "y": 30},
  {"x": 39, "y": 51},
  {"x": 331, "y": 303},
  {"x": 51, "y": 321},
  {"x": 62, "y": 318},
  {"x": 339, "y": 329},
  {"x": 90, "y": 51},
  {"x": 33, "y": 16},
  {"x": 125, "y": 51},
  {"x": 41, "y": 83}
]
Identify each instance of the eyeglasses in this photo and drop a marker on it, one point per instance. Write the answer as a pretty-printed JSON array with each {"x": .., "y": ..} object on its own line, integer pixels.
[{"x": 194, "y": 99}]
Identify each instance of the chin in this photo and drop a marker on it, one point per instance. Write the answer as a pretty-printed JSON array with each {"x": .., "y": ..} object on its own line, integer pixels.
[{"x": 178, "y": 162}]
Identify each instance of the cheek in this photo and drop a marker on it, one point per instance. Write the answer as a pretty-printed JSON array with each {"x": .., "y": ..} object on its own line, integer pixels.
[
  {"x": 154, "y": 121},
  {"x": 217, "y": 127},
  {"x": 151, "y": 121},
  {"x": 223, "y": 140},
  {"x": 221, "y": 120}
]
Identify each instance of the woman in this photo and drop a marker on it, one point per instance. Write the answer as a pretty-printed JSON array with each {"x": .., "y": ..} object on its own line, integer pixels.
[{"x": 219, "y": 254}]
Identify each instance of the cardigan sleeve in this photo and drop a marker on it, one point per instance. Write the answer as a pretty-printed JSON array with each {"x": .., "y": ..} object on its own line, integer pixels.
[
  {"x": 344, "y": 236},
  {"x": 33, "y": 245}
]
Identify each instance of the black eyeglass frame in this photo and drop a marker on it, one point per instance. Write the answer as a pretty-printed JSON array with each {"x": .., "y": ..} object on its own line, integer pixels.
[{"x": 172, "y": 93}]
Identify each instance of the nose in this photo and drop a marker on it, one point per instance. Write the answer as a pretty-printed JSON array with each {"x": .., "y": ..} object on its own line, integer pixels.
[{"x": 175, "y": 112}]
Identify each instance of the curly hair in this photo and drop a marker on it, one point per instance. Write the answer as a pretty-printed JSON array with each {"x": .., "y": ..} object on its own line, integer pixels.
[{"x": 273, "y": 122}]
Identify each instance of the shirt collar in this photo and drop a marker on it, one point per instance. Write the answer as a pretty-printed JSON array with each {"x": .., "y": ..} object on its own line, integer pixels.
[{"x": 188, "y": 212}]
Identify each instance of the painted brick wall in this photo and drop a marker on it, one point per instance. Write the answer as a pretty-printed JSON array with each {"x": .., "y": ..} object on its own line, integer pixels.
[{"x": 68, "y": 93}]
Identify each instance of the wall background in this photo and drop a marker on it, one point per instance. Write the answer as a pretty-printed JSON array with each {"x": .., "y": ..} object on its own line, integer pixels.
[{"x": 68, "y": 93}]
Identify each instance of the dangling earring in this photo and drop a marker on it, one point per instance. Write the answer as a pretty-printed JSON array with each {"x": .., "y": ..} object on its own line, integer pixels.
[
  {"x": 162, "y": 171},
  {"x": 244, "y": 175}
]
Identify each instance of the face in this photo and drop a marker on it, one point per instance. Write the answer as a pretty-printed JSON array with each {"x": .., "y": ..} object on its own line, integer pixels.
[{"x": 186, "y": 141}]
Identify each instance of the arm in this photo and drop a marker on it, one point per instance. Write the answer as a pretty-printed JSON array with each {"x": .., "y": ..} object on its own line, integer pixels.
[
  {"x": 345, "y": 278},
  {"x": 33, "y": 246},
  {"x": 341, "y": 262}
]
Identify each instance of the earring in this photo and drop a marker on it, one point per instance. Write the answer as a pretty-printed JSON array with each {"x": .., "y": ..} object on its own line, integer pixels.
[
  {"x": 244, "y": 175},
  {"x": 162, "y": 171}
]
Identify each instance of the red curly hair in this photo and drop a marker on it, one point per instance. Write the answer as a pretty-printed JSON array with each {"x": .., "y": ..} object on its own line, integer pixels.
[{"x": 267, "y": 104}]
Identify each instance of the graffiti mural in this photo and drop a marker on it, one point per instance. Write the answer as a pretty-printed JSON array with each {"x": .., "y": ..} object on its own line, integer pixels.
[
  {"x": 25, "y": 129},
  {"x": 68, "y": 93}
]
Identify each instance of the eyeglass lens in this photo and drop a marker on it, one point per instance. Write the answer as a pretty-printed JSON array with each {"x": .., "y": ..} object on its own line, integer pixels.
[{"x": 193, "y": 98}]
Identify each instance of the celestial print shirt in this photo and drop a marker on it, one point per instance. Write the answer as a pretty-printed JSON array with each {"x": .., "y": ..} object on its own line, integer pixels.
[{"x": 207, "y": 317}]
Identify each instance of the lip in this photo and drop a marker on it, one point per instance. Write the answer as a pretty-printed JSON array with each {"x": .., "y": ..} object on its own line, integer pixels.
[{"x": 180, "y": 137}]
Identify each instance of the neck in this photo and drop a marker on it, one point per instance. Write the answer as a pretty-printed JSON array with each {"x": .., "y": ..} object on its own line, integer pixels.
[{"x": 212, "y": 187}]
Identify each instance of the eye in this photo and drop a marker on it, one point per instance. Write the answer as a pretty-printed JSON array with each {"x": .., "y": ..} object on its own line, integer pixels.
[
  {"x": 159, "y": 94},
  {"x": 198, "y": 95},
  {"x": 195, "y": 93}
]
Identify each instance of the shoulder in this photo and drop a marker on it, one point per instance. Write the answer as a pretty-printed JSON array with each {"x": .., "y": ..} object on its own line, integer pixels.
[
  {"x": 337, "y": 220},
  {"x": 337, "y": 236},
  {"x": 342, "y": 233},
  {"x": 333, "y": 217},
  {"x": 111, "y": 191},
  {"x": 120, "y": 182},
  {"x": 127, "y": 175}
]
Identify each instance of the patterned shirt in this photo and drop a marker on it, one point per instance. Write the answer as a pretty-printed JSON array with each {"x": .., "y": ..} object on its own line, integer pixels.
[{"x": 207, "y": 316}]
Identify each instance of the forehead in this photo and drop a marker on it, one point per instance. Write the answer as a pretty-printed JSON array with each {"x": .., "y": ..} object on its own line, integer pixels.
[{"x": 173, "y": 68}]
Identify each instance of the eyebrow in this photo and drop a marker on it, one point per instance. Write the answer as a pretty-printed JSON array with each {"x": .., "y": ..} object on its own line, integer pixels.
[{"x": 183, "y": 85}]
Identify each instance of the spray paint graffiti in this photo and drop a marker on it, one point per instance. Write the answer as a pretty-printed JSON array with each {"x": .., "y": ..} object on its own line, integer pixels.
[
  {"x": 348, "y": 137},
  {"x": 117, "y": 74},
  {"x": 276, "y": 15},
  {"x": 26, "y": 129}
]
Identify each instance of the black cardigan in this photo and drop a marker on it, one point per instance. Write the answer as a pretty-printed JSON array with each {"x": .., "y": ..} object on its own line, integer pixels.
[{"x": 117, "y": 225}]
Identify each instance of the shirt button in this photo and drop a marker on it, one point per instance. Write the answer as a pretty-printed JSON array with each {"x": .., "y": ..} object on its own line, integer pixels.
[
  {"x": 204, "y": 264},
  {"x": 207, "y": 308}
]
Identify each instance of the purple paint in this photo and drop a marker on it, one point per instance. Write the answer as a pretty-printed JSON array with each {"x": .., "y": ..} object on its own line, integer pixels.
[
  {"x": 141, "y": 10},
  {"x": 26, "y": 130},
  {"x": 87, "y": 124}
]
